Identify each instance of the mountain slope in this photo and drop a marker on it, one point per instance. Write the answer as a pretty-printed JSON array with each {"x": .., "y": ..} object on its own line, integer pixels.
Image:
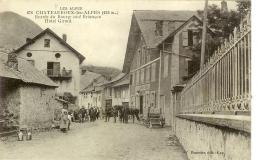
[
  {"x": 87, "y": 78},
  {"x": 14, "y": 29},
  {"x": 108, "y": 72}
]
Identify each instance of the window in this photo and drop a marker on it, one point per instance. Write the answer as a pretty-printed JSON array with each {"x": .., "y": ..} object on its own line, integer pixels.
[
  {"x": 47, "y": 43},
  {"x": 137, "y": 76},
  {"x": 190, "y": 38},
  {"x": 185, "y": 38},
  {"x": 31, "y": 62},
  {"x": 147, "y": 74},
  {"x": 165, "y": 71},
  {"x": 142, "y": 75},
  {"x": 29, "y": 54},
  {"x": 110, "y": 92},
  {"x": 147, "y": 57},
  {"x": 57, "y": 55},
  {"x": 143, "y": 56},
  {"x": 117, "y": 93},
  {"x": 53, "y": 68},
  {"x": 131, "y": 79},
  {"x": 153, "y": 72},
  {"x": 159, "y": 26}
]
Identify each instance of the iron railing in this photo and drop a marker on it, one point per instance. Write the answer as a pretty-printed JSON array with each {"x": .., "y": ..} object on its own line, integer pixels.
[{"x": 223, "y": 84}]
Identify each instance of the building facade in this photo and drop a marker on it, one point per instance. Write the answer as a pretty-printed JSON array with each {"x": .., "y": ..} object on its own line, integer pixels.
[
  {"x": 159, "y": 55},
  {"x": 116, "y": 92},
  {"x": 92, "y": 95},
  {"x": 57, "y": 59}
]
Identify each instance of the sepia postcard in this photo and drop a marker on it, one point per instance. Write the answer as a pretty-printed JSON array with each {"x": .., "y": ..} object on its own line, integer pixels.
[{"x": 125, "y": 79}]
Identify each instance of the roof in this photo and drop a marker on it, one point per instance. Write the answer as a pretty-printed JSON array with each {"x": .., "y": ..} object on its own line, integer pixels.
[
  {"x": 94, "y": 82},
  {"x": 87, "y": 78},
  {"x": 80, "y": 56},
  {"x": 119, "y": 80},
  {"x": 144, "y": 22},
  {"x": 26, "y": 72},
  {"x": 183, "y": 25},
  {"x": 115, "y": 79},
  {"x": 147, "y": 19},
  {"x": 122, "y": 83}
]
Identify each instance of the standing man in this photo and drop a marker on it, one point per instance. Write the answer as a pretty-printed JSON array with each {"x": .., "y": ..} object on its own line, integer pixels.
[
  {"x": 114, "y": 114},
  {"x": 126, "y": 112}
]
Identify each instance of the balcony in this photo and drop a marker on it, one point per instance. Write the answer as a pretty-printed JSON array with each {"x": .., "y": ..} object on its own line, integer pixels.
[{"x": 63, "y": 74}]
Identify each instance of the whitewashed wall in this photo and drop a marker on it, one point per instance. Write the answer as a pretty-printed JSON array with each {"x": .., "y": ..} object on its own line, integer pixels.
[{"x": 41, "y": 55}]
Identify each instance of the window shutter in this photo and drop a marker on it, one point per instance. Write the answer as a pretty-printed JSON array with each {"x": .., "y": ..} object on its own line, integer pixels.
[
  {"x": 56, "y": 68},
  {"x": 185, "y": 38}
]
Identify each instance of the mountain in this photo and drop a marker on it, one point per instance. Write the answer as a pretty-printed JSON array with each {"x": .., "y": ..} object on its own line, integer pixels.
[
  {"x": 108, "y": 72},
  {"x": 14, "y": 29},
  {"x": 87, "y": 78}
]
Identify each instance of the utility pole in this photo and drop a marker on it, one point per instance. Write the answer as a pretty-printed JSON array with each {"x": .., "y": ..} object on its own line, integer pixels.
[{"x": 204, "y": 33}]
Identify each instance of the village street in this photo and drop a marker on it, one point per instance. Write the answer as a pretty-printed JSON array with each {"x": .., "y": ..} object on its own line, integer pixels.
[{"x": 95, "y": 141}]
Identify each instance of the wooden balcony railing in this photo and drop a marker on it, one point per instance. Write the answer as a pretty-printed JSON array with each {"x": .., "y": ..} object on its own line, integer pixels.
[
  {"x": 61, "y": 74},
  {"x": 224, "y": 83}
]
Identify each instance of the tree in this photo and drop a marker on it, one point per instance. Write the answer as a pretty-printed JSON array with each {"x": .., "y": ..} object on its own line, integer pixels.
[
  {"x": 222, "y": 23},
  {"x": 243, "y": 6}
]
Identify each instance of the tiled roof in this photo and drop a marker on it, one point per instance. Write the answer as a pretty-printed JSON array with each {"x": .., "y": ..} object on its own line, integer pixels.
[
  {"x": 80, "y": 56},
  {"x": 26, "y": 72}
]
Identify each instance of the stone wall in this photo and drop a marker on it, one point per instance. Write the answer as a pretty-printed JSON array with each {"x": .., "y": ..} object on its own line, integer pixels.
[
  {"x": 10, "y": 97},
  {"x": 207, "y": 142},
  {"x": 37, "y": 107}
]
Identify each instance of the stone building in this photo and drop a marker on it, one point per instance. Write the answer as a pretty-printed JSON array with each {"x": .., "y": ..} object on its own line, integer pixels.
[
  {"x": 26, "y": 93},
  {"x": 116, "y": 91},
  {"x": 57, "y": 59},
  {"x": 160, "y": 53}
]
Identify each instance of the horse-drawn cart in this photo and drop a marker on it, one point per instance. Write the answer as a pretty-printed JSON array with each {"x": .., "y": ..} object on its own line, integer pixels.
[{"x": 154, "y": 119}]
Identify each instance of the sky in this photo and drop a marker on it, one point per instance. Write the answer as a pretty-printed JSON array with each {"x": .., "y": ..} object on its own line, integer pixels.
[{"x": 102, "y": 41}]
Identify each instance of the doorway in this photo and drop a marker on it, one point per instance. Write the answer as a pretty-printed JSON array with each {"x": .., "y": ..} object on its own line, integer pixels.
[{"x": 141, "y": 104}]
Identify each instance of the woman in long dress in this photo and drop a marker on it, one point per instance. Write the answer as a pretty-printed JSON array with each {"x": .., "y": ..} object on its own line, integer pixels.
[{"x": 64, "y": 120}]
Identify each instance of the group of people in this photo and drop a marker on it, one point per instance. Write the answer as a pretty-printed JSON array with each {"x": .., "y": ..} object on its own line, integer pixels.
[
  {"x": 83, "y": 114},
  {"x": 122, "y": 113}
]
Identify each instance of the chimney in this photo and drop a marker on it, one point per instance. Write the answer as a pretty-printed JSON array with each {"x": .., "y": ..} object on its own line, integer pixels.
[
  {"x": 224, "y": 7},
  {"x": 64, "y": 37},
  {"x": 28, "y": 40},
  {"x": 12, "y": 61}
]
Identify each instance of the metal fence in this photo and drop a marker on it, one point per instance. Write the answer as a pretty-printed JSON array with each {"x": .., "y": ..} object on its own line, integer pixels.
[{"x": 223, "y": 84}]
